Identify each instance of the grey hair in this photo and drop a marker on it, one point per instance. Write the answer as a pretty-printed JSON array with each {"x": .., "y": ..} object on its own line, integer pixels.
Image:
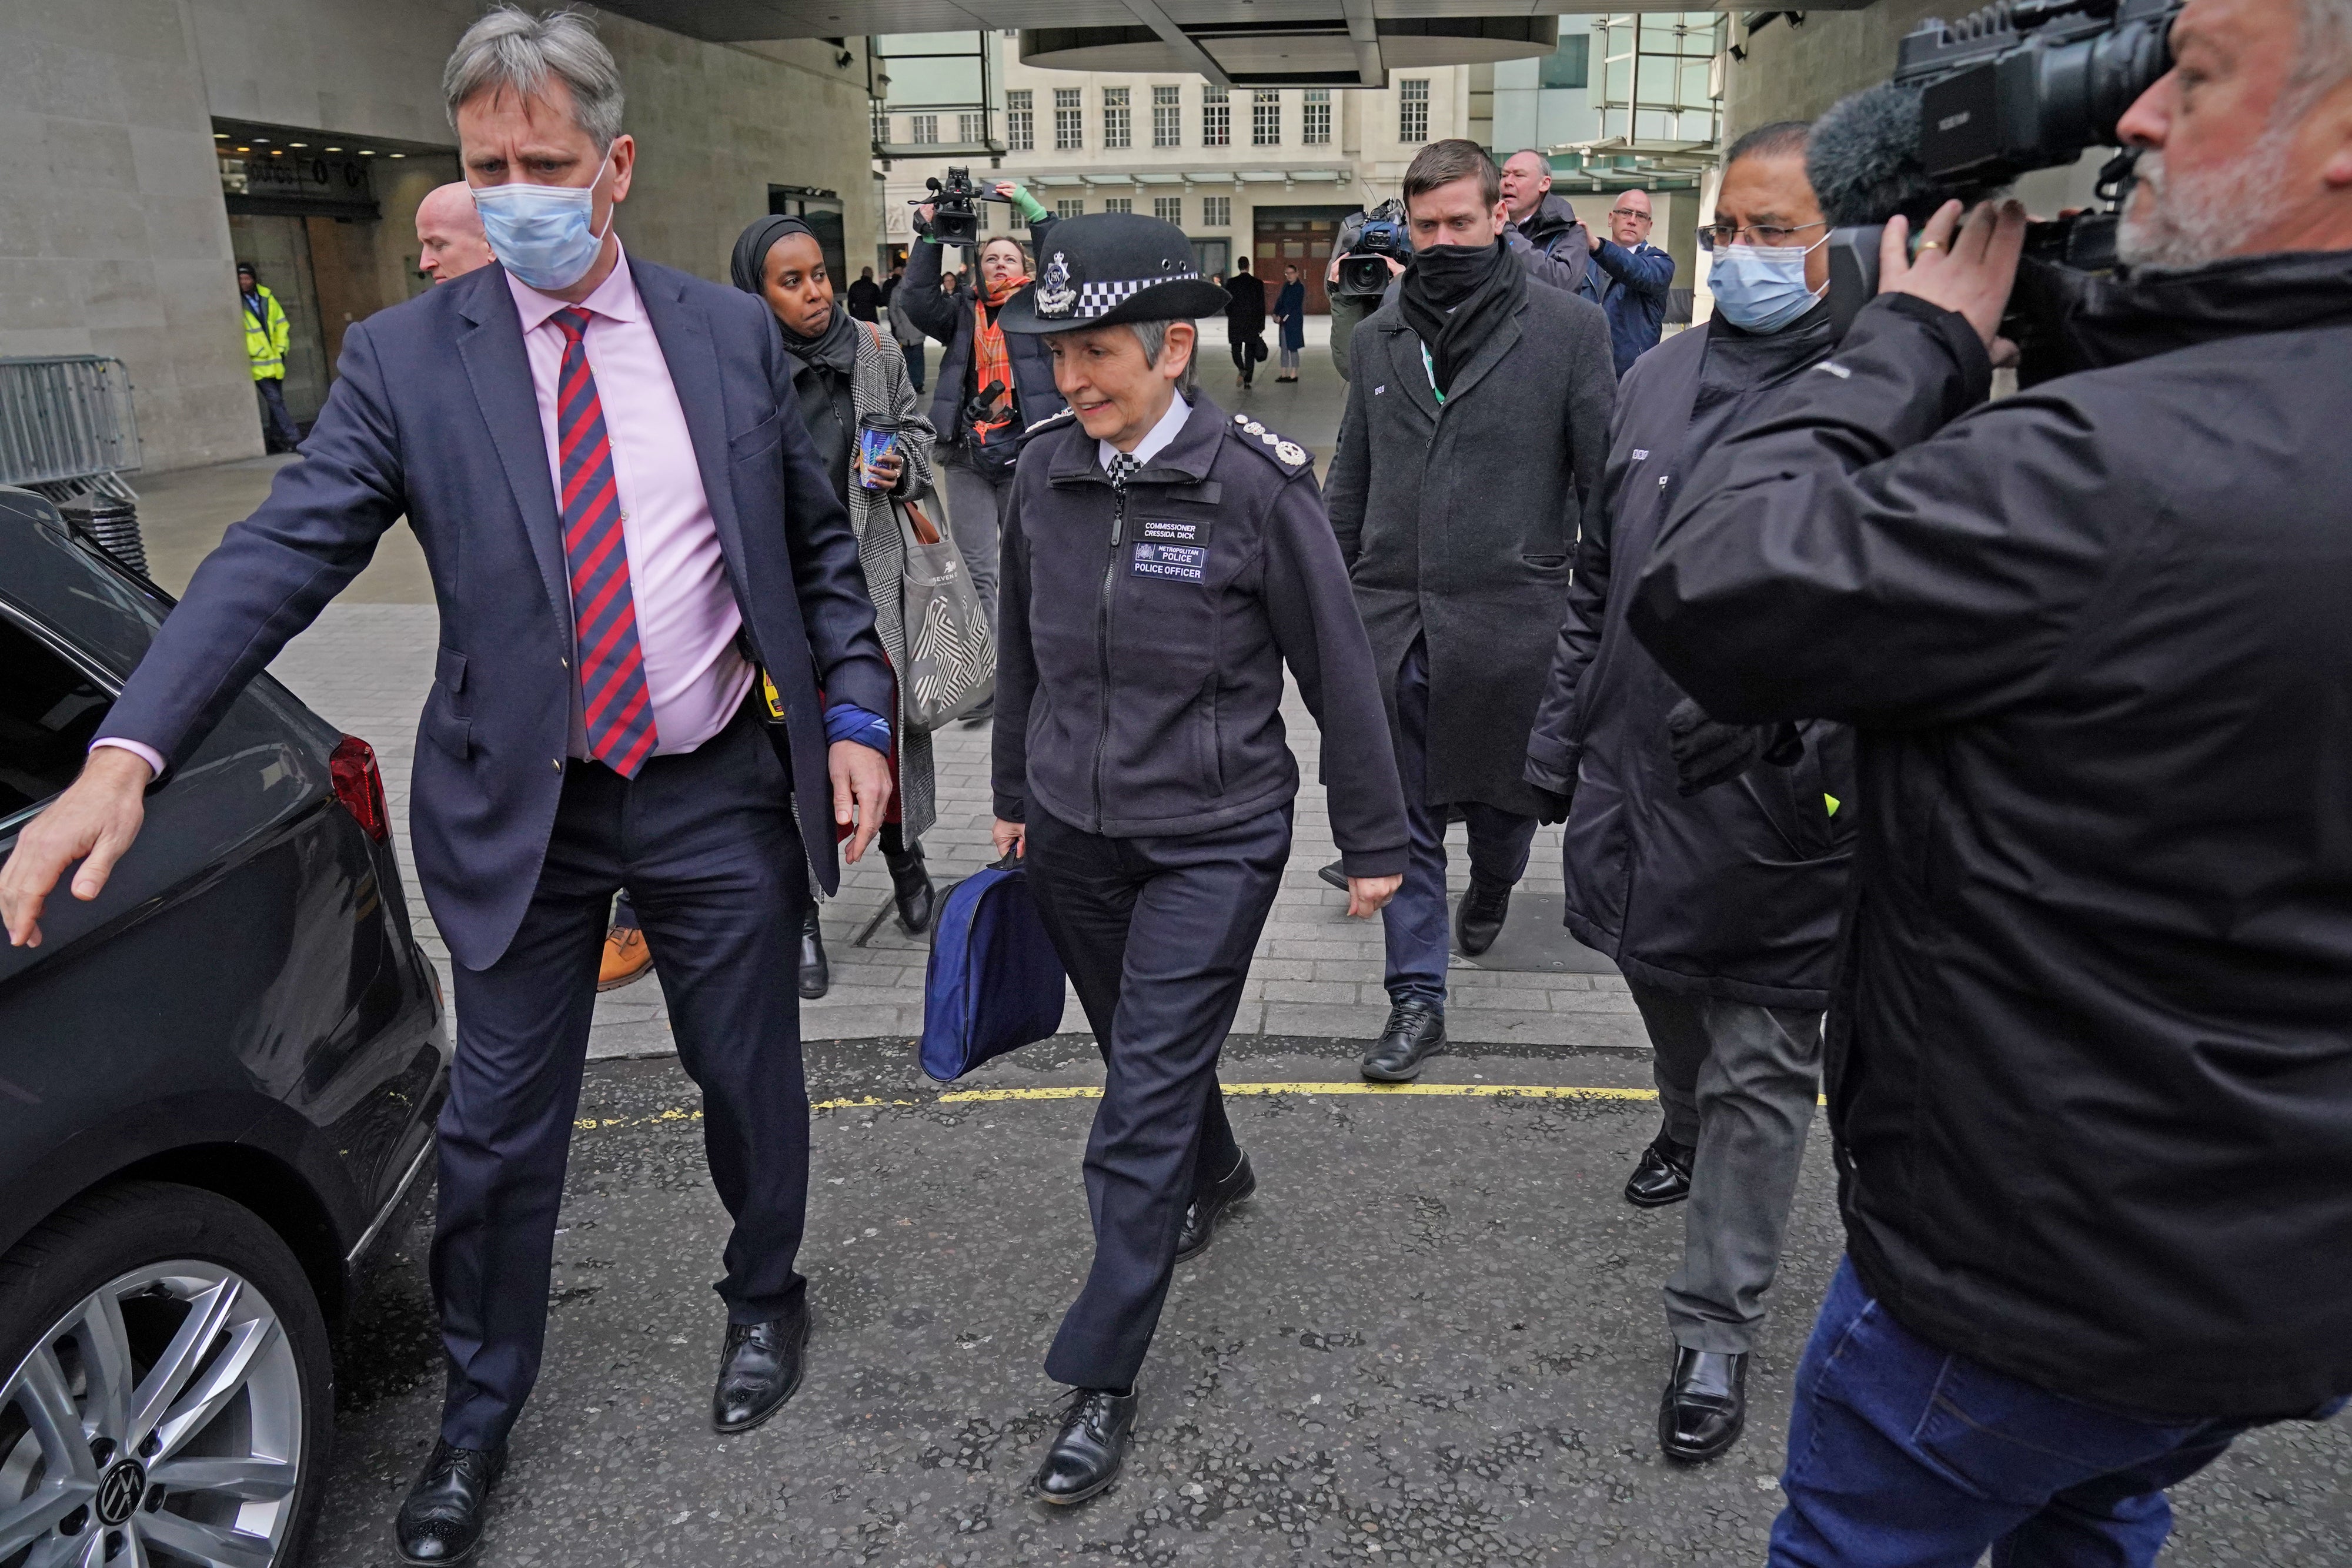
[
  {"x": 512, "y": 49},
  {"x": 1153, "y": 336},
  {"x": 2325, "y": 51}
]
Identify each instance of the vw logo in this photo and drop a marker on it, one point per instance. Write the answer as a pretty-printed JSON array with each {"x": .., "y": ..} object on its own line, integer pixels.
[{"x": 119, "y": 1492}]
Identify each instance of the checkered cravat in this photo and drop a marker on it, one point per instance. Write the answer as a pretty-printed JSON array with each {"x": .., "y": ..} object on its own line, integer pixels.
[
  {"x": 1123, "y": 467},
  {"x": 614, "y": 702}
]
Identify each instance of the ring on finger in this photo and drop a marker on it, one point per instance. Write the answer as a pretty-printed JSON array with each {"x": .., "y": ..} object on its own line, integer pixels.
[{"x": 1931, "y": 245}]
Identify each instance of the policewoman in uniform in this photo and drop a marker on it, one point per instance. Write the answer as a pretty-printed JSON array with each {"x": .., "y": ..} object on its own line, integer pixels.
[{"x": 1163, "y": 561}]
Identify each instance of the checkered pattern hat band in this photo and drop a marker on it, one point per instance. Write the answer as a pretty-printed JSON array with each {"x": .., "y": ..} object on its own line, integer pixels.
[{"x": 1101, "y": 298}]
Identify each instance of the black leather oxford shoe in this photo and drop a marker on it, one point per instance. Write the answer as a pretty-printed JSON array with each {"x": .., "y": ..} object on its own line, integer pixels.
[
  {"x": 759, "y": 1369},
  {"x": 441, "y": 1523},
  {"x": 1202, "y": 1215},
  {"x": 1416, "y": 1032},
  {"x": 1085, "y": 1458},
  {"x": 1705, "y": 1404},
  {"x": 910, "y": 887},
  {"x": 816, "y": 975},
  {"x": 1479, "y": 920},
  {"x": 1661, "y": 1176}
]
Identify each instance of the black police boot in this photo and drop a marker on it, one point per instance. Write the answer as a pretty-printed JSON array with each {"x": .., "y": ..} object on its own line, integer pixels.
[
  {"x": 910, "y": 882},
  {"x": 816, "y": 975},
  {"x": 1480, "y": 919},
  {"x": 1414, "y": 1033},
  {"x": 441, "y": 1523},
  {"x": 1204, "y": 1213},
  {"x": 1086, "y": 1455},
  {"x": 1334, "y": 875},
  {"x": 1663, "y": 1175},
  {"x": 1705, "y": 1404},
  {"x": 759, "y": 1369}
]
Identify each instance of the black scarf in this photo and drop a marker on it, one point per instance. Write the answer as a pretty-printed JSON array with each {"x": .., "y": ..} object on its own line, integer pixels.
[
  {"x": 1454, "y": 297},
  {"x": 835, "y": 347}
]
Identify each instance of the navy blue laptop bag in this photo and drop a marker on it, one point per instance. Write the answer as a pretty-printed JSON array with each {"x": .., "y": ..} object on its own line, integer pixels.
[{"x": 996, "y": 982}]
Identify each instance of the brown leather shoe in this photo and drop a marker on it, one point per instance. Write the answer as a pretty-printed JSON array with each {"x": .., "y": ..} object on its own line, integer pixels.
[{"x": 626, "y": 958}]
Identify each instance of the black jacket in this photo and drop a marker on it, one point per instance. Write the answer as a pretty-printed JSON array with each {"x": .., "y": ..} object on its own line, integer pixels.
[
  {"x": 2090, "y": 1050},
  {"x": 948, "y": 318},
  {"x": 1139, "y": 685},
  {"x": 1246, "y": 317},
  {"x": 1733, "y": 892},
  {"x": 1551, "y": 246}
]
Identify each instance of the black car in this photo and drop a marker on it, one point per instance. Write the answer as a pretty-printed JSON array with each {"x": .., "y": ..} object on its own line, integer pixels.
[{"x": 217, "y": 1088}]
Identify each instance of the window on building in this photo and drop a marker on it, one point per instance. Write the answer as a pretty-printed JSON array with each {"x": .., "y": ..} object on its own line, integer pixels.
[
  {"x": 972, "y": 128},
  {"x": 881, "y": 124},
  {"x": 1216, "y": 118},
  {"x": 1069, "y": 206},
  {"x": 1316, "y": 129},
  {"x": 1166, "y": 127},
  {"x": 1067, "y": 135},
  {"x": 1119, "y": 203},
  {"x": 1020, "y": 120},
  {"x": 1168, "y": 209},
  {"x": 927, "y": 129},
  {"x": 1413, "y": 109},
  {"x": 1114, "y": 118},
  {"x": 1217, "y": 212},
  {"x": 1266, "y": 119},
  {"x": 1571, "y": 64}
]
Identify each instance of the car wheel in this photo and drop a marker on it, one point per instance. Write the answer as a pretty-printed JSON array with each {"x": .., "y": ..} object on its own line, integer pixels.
[{"x": 169, "y": 1396}]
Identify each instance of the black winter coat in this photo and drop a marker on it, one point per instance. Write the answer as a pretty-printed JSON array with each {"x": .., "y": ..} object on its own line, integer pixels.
[
  {"x": 948, "y": 318},
  {"x": 1139, "y": 683},
  {"x": 1733, "y": 892},
  {"x": 1460, "y": 525},
  {"x": 1553, "y": 247},
  {"x": 1245, "y": 316},
  {"x": 2090, "y": 1060}
]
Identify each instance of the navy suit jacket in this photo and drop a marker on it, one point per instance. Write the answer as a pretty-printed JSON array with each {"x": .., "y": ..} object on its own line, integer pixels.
[{"x": 433, "y": 417}]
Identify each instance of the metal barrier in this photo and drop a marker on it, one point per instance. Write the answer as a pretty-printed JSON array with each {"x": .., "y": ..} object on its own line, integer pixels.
[{"x": 66, "y": 426}]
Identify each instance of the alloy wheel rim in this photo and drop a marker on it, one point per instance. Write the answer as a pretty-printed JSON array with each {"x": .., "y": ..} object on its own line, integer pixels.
[{"x": 159, "y": 1421}]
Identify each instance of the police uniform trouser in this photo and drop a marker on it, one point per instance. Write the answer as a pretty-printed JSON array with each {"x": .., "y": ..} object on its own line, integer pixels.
[{"x": 1157, "y": 934}]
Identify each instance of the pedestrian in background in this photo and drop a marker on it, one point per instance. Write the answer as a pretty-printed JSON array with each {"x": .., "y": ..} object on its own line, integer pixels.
[
  {"x": 865, "y": 296},
  {"x": 2089, "y": 1071},
  {"x": 1164, "y": 564},
  {"x": 1630, "y": 278},
  {"x": 1290, "y": 314},
  {"x": 449, "y": 241},
  {"x": 904, "y": 330},
  {"x": 1245, "y": 321},
  {"x": 1708, "y": 860},
  {"x": 1550, "y": 244},
  {"x": 267, "y": 336},
  {"x": 847, "y": 376},
  {"x": 1459, "y": 534}
]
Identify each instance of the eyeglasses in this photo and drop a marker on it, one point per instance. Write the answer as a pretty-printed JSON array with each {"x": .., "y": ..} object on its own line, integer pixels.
[
  {"x": 1714, "y": 236},
  {"x": 1628, "y": 212}
]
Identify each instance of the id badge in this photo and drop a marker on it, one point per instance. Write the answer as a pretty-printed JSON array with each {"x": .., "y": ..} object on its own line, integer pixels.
[{"x": 772, "y": 700}]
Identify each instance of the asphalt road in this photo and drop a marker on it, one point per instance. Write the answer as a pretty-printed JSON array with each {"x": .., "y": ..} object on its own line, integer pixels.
[{"x": 1433, "y": 1337}]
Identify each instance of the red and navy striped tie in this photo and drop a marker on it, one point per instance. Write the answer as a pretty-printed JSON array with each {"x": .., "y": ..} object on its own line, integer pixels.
[{"x": 614, "y": 701}]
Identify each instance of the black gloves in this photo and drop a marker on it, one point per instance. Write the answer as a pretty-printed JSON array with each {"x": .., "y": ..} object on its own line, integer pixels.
[
  {"x": 1553, "y": 807},
  {"x": 1707, "y": 753}
]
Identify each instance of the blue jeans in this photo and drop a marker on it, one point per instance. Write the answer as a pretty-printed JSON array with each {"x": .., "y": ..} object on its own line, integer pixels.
[
  {"x": 1415, "y": 921},
  {"x": 1905, "y": 1455}
]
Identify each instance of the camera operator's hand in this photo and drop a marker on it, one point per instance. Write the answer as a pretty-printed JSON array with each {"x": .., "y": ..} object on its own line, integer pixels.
[{"x": 1966, "y": 268}]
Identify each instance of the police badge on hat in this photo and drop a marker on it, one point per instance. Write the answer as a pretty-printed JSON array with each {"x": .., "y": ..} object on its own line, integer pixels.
[{"x": 1054, "y": 295}]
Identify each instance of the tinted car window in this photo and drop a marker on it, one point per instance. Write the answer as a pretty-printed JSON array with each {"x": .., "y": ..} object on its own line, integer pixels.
[{"x": 48, "y": 712}]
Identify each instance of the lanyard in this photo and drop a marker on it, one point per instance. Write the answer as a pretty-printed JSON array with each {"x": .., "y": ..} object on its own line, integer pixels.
[{"x": 1429, "y": 368}]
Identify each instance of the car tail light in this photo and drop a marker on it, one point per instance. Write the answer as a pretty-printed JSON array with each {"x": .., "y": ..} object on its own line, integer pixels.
[{"x": 359, "y": 787}]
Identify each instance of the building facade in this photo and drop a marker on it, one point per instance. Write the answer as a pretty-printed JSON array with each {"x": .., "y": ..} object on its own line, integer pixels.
[{"x": 161, "y": 141}]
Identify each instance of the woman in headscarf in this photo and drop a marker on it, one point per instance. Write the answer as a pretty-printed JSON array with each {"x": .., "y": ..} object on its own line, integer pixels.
[{"x": 846, "y": 371}]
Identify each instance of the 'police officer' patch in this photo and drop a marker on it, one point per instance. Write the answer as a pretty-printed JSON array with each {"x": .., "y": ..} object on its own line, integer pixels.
[{"x": 1185, "y": 563}]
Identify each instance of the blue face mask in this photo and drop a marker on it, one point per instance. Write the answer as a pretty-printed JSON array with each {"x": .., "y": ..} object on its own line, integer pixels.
[
  {"x": 1761, "y": 289},
  {"x": 541, "y": 233}
]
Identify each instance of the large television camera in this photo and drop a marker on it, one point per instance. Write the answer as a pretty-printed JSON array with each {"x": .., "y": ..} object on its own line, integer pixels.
[
  {"x": 1364, "y": 240},
  {"x": 2016, "y": 86},
  {"x": 955, "y": 211}
]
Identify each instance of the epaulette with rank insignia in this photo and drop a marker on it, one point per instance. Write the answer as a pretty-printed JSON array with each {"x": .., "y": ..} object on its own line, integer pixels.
[
  {"x": 1050, "y": 421},
  {"x": 1288, "y": 454}
]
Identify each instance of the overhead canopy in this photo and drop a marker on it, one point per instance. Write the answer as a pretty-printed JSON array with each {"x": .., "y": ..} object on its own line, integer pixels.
[{"x": 1233, "y": 43}]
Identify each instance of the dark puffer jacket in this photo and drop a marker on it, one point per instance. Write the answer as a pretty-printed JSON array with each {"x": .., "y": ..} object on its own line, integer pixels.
[
  {"x": 948, "y": 318},
  {"x": 2090, "y": 1058}
]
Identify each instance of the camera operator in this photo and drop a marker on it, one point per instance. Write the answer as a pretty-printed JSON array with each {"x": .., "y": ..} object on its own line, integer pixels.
[
  {"x": 981, "y": 435},
  {"x": 1632, "y": 279},
  {"x": 1558, "y": 250},
  {"x": 2089, "y": 1077},
  {"x": 1462, "y": 582}
]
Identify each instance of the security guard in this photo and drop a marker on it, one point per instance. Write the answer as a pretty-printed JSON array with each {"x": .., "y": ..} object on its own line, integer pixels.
[
  {"x": 267, "y": 335},
  {"x": 1163, "y": 561}
]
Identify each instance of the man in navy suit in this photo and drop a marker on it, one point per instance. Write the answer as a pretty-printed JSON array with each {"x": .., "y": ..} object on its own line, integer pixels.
[{"x": 626, "y": 523}]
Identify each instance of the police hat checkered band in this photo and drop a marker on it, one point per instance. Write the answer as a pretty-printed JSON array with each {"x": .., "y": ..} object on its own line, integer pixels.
[{"x": 1101, "y": 298}]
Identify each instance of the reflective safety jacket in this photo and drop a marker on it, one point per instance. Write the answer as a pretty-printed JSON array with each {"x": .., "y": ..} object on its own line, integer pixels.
[{"x": 266, "y": 335}]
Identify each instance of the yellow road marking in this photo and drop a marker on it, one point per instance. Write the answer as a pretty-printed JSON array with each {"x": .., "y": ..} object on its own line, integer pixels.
[{"x": 1085, "y": 1092}]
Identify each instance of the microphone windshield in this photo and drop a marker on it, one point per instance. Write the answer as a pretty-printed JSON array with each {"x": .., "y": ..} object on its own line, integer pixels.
[{"x": 1862, "y": 159}]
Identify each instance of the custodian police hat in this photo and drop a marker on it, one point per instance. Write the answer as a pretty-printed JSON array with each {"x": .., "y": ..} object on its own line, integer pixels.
[{"x": 1108, "y": 267}]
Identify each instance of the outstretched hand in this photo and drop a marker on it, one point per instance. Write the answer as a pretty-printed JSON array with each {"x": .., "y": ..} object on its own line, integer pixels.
[
  {"x": 93, "y": 821},
  {"x": 1969, "y": 267}
]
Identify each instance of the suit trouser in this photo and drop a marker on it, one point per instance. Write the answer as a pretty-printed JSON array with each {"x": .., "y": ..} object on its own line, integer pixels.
[
  {"x": 1157, "y": 934},
  {"x": 975, "y": 502},
  {"x": 1739, "y": 1081},
  {"x": 706, "y": 844},
  {"x": 1415, "y": 921}
]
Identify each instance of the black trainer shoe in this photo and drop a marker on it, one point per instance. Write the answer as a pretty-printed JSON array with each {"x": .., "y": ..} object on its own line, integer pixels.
[
  {"x": 441, "y": 1523},
  {"x": 1204, "y": 1213},
  {"x": 1663, "y": 1175},
  {"x": 1092, "y": 1445},
  {"x": 1416, "y": 1032},
  {"x": 1479, "y": 920},
  {"x": 1705, "y": 1404}
]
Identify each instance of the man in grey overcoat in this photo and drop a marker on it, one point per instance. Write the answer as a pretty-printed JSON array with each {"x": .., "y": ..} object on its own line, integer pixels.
[{"x": 1478, "y": 422}]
